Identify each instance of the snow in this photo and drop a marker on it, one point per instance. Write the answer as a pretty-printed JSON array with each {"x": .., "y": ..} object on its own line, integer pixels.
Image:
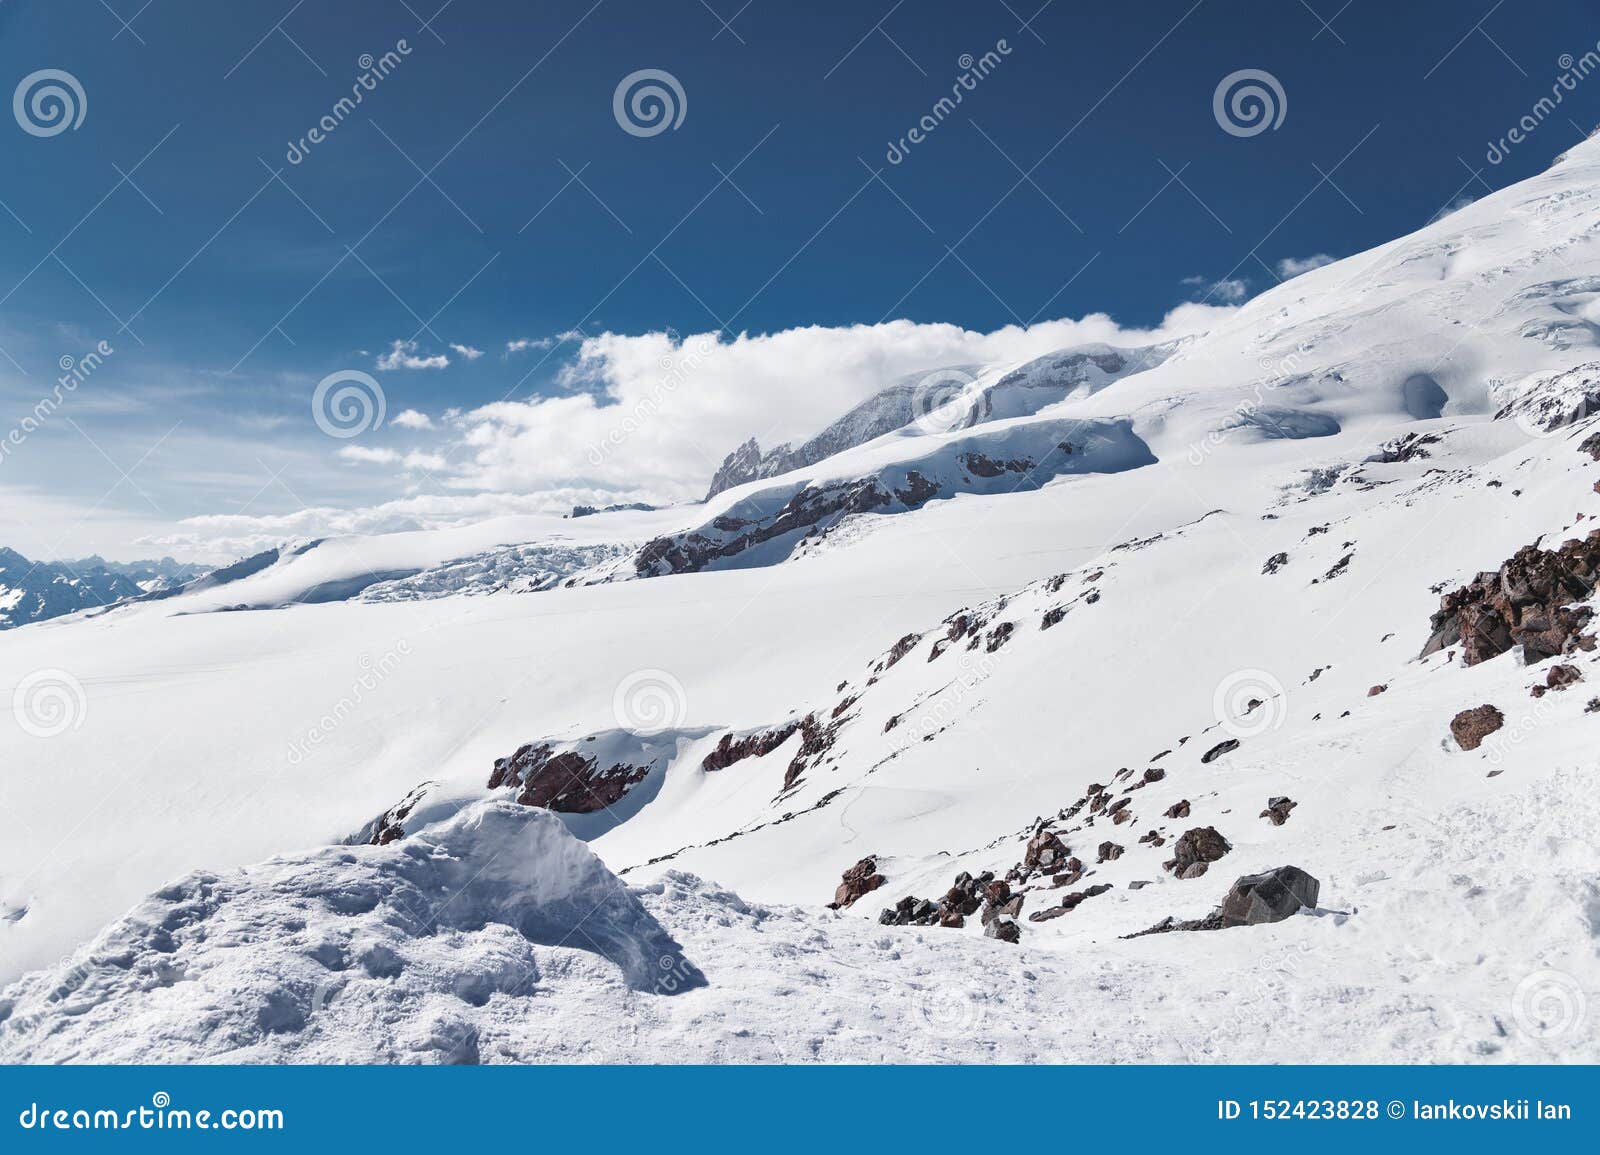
[{"x": 1458, "y": 916}]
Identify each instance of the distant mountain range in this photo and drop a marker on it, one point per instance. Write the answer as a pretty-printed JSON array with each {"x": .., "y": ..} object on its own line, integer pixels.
[{"x": 34, "y": 591}]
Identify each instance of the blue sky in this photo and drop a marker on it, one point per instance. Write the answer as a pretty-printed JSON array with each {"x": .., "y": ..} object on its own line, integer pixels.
[{"x": 484, "y": 193}]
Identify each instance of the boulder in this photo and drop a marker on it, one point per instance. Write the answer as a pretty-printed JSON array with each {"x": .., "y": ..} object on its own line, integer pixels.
[
  {"x": 1003, "y": 929},
  {"x": 1471, "y": 727},
  {"x": 862, "y": 878},
  {"x": 1109, "y": 852},
  {"x": 1271, "y": 896},
  {"x": 1219, "y": 750},
  {"x": 1277, "y": 811},
  {"x": 1203, "y": 844}
]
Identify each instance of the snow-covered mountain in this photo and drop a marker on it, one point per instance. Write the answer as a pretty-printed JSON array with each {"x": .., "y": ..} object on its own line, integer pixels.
[
  {"x": 897, "y": 753},
  {"x": 35, "y": 591}
]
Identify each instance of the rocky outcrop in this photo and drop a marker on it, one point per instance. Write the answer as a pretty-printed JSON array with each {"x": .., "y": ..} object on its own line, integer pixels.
[
  {"x": 1471, "y": 727},
  {"x": 861, "y": 879},
  {"x": 1219, "y": 750},
  {"x": 1530, "y": 601},
  {"x": 565, "y": 781},
  {"x": 731, "y": 749}
]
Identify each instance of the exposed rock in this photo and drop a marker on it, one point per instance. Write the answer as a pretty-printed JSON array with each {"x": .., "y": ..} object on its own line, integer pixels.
[
  {"x": 1559, "y": 678},
  {"x": 567, "y": 782},
  {"x": 1193, "y": 870},
  {"x": 1004, "y": 929},
  {"x": 731, "y": 749},
  {"x": 1201, "y": 844},
  {"x": 1253, "y": 900},
  {"x": 1219, "y": 750},
  {"x": 1277, "y": 811},
  {"x": 1527, "y": 602},
  {"x": 862, "y": 878},
  {"x": 1045, "y": 851},
  {"x": 1109, "y": 852},
  {"x": 1376, "y": 690},
  {"x": 1276, "y": 562},
  {"x": 1269, "y": 897},
  {"x": 1052, "y": 617},
  {"x": 1471, "y": 727},
  {"x": 1178, "y": 809}
]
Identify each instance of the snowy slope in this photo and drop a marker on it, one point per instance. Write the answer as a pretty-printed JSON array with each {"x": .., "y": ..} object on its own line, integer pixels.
[{"x": 1270, "y": 514}]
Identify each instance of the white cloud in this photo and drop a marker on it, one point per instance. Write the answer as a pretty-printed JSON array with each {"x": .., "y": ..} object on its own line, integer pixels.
[
  {"x": 225, "y": 537},
  {"x": 523, "y": 344},
  {"x": 403, "y": 355},
  {"x": 649, "y": 418},
  {"x": 656, "y": 413},
  {"x": 1230, "y": 291},
  {"x": 467, "y": 351},
  {"x": 412, "y": 419},
  {"x": 1294, "y": 266},
  {"x": 369, "y": 456}
]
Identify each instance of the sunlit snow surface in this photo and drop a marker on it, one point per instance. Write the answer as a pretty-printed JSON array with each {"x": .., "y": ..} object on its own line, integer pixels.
[{"x": 1459, "y": 908}]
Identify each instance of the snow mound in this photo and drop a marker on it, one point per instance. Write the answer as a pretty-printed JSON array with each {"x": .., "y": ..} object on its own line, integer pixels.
[{"x": 380, "y": 951}]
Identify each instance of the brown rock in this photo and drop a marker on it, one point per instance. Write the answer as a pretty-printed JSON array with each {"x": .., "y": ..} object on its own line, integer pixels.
[
  {"x": 1179, "y": 809},
  {"x": 1471, "y": 727},
  {"x": 1528, "y": 601},
  {"x": 1201, "y": 844},
  {"x": 1277, "y": 811},
  {"x": 862, "y": 878}
]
